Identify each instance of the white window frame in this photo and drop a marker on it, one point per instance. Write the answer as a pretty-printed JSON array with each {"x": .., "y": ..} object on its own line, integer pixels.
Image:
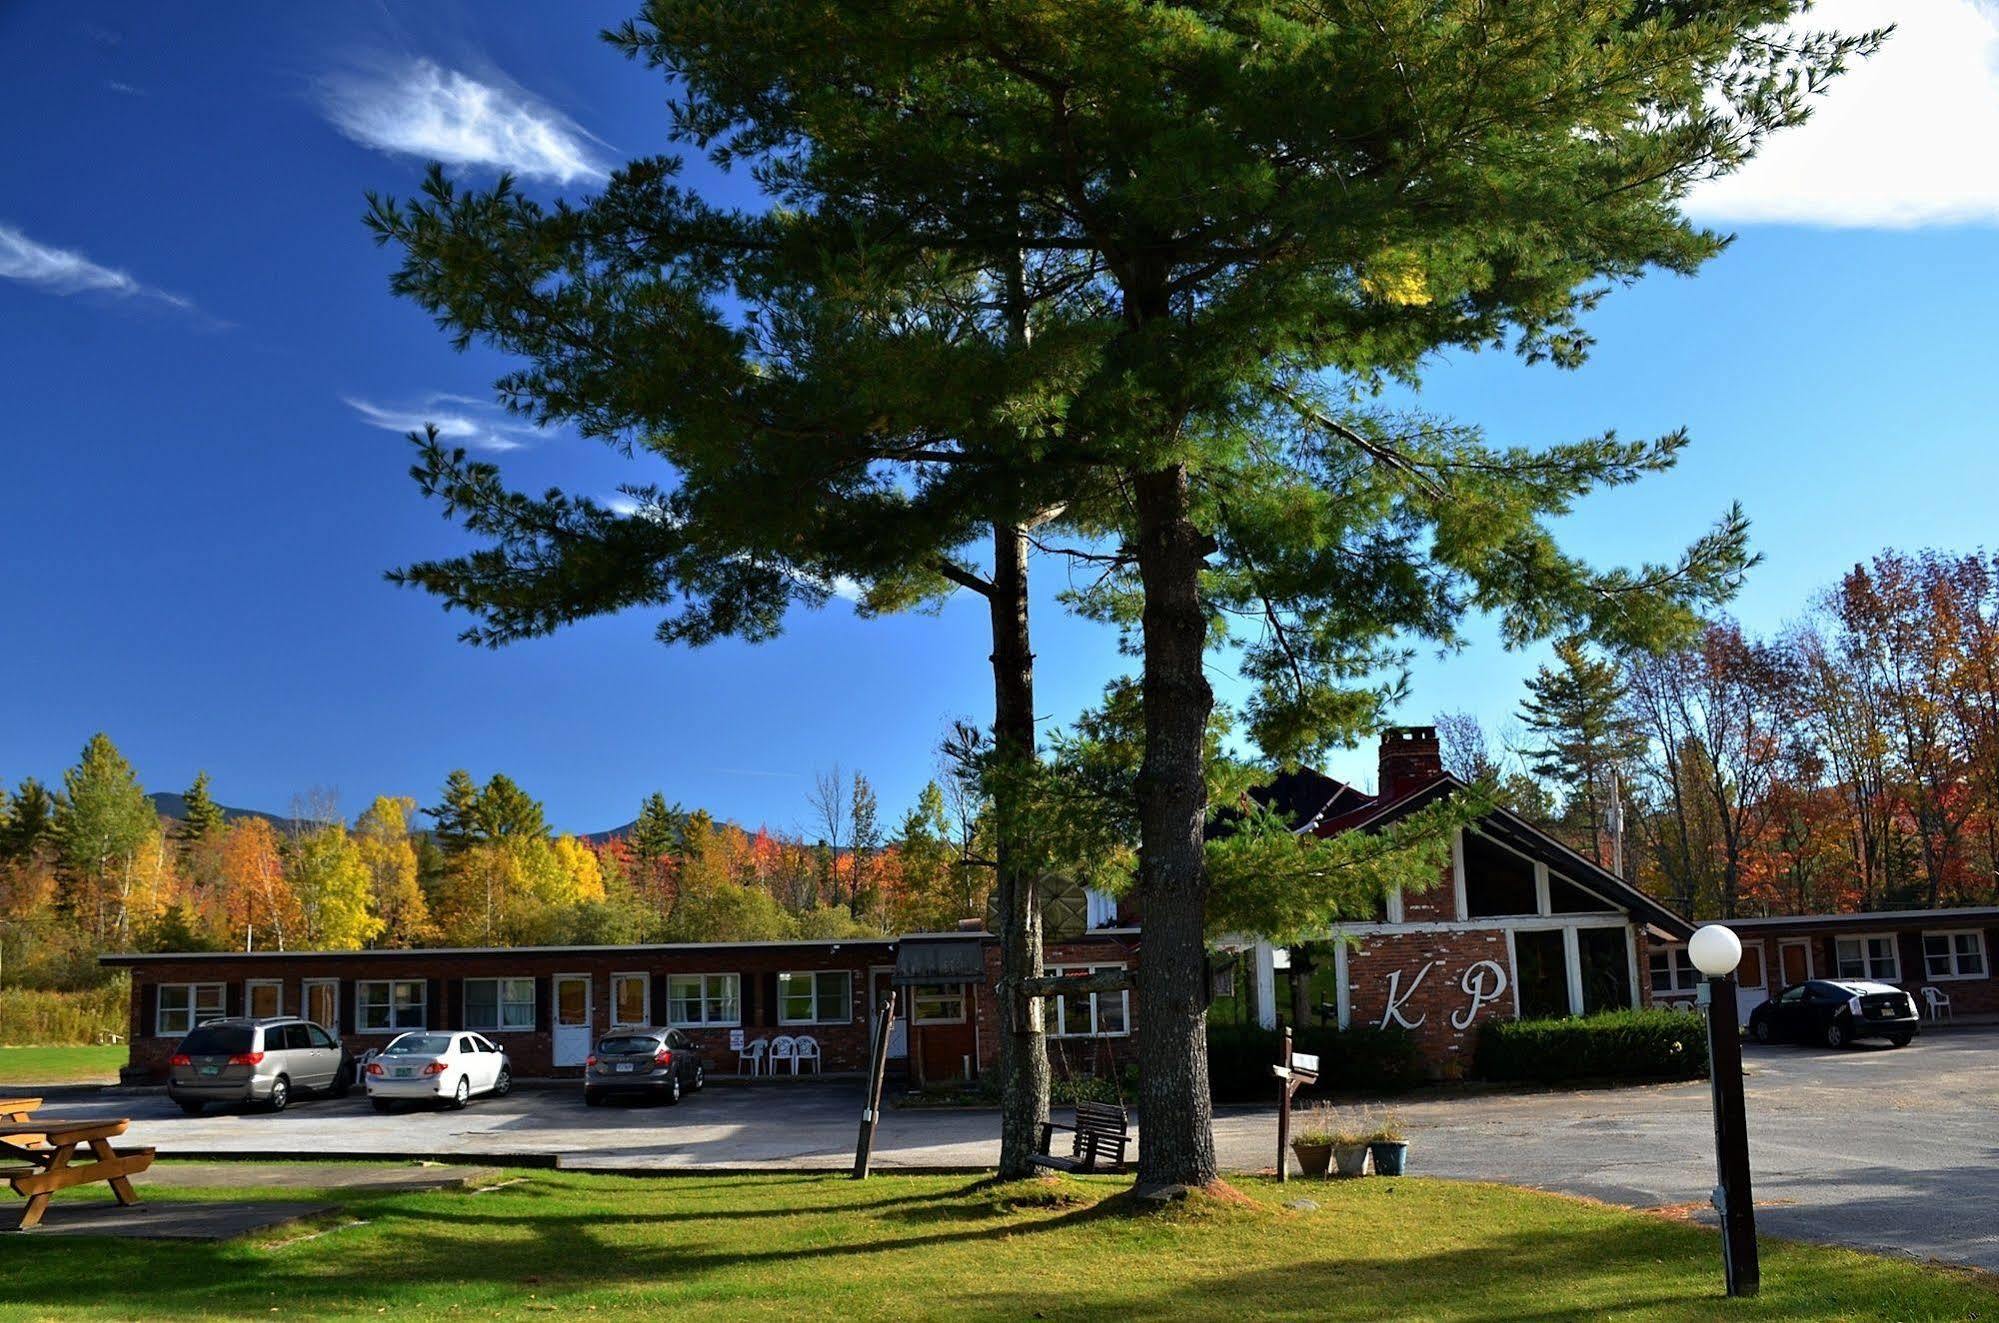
[
  {"x": 1678, "y": 963},
  {"x": 1099, "y": 909},
  {"x": 396, "y": 1026},
  {"x": 1543, "y": 893},
  {"x": 734, "y": 984},
  {"x": 305, "y": 988},
  {"x": 500, "y": 1004},
  {"x": 1058, "y": 1015},
  {"x": 193, "y": 1008},
  {"x": 645, "y": 999},
  {"x": 1954, "y": 957},
  {"x": 1866, "y": 959},
  {"x": 250, "y": 985},
  {"x": 938, "y": 992},
  {"x": 847, "y": 981}
]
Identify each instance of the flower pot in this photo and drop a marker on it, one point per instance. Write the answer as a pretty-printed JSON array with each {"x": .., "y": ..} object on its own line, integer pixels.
[
  {"x": 1313, "y": 1159},
  {"x": 1350, "y": 1159},
  {"x": 1391, "y": 1156}
]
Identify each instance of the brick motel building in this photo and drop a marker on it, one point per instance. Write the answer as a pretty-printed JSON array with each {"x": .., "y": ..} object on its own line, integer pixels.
[{"x": 1521, "y": 927}]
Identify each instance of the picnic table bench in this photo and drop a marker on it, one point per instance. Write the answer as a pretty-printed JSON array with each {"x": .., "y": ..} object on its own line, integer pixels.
[{"x": 44, "y": 1147}]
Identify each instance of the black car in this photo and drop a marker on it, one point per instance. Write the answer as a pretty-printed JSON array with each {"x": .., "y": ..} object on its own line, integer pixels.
[
  {"x": 1836, "y": 1013},
  {"x": 659, "y": 1063}
]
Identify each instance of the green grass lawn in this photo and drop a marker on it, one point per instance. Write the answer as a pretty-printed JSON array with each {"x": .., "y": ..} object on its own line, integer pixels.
[
  {"x": 60, "y": 1065},
  {"x": 906, "y": 1247}
]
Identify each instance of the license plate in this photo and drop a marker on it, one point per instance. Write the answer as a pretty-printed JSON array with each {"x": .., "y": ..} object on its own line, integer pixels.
[
  {"x": 404, "y": 1072},
  {"x": 211, "y": 1070},
  {"x": 624, "y": 1067}
]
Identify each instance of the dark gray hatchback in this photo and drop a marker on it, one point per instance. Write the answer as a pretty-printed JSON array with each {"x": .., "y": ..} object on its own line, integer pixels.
[
  {"x": 658, "y": 1063},
  {"x": 256, "y": 1061}
]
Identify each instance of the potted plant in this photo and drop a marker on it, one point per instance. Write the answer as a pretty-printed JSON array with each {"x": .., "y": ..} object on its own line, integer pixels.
[
  {"x": 1389, "y": 1148},
  {"x": 1312, "y": 1140},
  {"x": 1350, "y": 1149}
]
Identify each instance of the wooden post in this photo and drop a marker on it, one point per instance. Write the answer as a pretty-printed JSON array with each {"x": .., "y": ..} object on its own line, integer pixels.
[
  {"x": 1284, "y": 1087},
  {"x": 877, "y": 1069}
]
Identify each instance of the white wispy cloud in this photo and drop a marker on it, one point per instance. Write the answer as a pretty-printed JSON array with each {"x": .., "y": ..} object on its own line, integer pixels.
[
  {"x": 419, "y": 108},
  {"x": 469, "y": 422},
  {"x": 66, "y": 271},
  {"x": 1903, "y": 139}
]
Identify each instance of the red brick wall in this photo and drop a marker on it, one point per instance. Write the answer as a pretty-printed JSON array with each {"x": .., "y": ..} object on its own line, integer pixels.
[
  {"x": 1080, "y": 1054},
  {"x": 844, "y": 1046},
  {"x": 1428, "y": 972}
]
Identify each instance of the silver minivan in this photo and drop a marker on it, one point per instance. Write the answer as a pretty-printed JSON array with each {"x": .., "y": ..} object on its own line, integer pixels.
[{"x": 257, "y": 1061}]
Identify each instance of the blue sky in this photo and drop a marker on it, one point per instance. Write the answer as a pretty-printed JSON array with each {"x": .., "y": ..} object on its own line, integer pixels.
[{"x": 206, "y": 382}]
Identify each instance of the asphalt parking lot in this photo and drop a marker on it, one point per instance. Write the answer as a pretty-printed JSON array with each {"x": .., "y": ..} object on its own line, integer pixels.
[{"x": 1882, "y": 1149}]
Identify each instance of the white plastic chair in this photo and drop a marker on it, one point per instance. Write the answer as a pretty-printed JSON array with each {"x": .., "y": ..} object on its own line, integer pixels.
[
  {"x": 806, "y": 1049},
  {"x": 750, "y": 1060},
  {"x": 1938, "y": 1001},
  {"x": 784, "y": 1048}
]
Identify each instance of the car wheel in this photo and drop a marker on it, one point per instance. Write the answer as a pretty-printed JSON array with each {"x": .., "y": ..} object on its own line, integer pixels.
[
  {"x": 462, "y": 1094},
  {"x": 1898, "y": 1040},
  {"x": 281, "y": 1094},
  {"x": 1835, "y": 1034},
  {"x": 700, "y": 1076},
  {"x": 592, "y": 1098},
  {"x": 382, "y": 1104},
  {"x": 1761, "y": 1029},
  {"x": 190, "y": 1106},
  {"x": 504, "y": 1085}
]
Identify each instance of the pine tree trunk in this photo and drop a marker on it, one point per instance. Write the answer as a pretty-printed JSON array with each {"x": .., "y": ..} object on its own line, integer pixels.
[
  {"x": 1176, "y": 1131},
  {"x": 1023, "y": 1055}
]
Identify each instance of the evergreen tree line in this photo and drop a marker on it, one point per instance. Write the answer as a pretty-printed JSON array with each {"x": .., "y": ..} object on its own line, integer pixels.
[
  {"x": 92, "y": 866},
  {"x": 1848, "y": 762}
]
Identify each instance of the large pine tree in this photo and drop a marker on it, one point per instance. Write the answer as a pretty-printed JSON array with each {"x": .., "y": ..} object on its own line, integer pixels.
[{"x": 1235, "y": 219}]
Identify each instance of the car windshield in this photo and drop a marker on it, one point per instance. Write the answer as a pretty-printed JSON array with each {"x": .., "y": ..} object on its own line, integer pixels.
[
  {"x": 428, "y": 1045},
  {"x": 627, "y": 1044},
  {"x": 218, "y": 1040}
]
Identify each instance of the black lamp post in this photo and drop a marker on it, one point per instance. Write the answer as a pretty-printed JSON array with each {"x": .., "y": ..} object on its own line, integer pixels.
[{"x": 1716, "y": 951}]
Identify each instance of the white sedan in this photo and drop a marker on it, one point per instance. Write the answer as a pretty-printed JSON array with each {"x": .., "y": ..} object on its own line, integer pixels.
[{"x": 437, "y": 1067}]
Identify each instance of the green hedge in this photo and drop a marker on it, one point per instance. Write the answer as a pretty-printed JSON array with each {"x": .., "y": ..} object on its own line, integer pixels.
[
  {"x": 1663, "y": 1045},
  {"x": 1360, "y": 1059}
]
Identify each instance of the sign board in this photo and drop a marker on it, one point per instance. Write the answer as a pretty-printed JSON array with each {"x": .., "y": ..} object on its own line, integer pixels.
[
  {"x": 1304, "y": 1061},
  {"x": 735, "y": 1040}
]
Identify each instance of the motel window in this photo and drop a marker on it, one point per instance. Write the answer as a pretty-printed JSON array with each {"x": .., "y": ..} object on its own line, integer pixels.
[
  {"x": 1672, "y": 971},
  {"x": 1605, "y": 954},
  {"x": 821, "y": 997},
  {"x": 1089, "y": 1014},
  {"x": 263, "y": 998},
  {"x": 631, "y": 995},
  {"x": 1954, "y": 955},
  {"x": 695, "y": 1000},
  {"x": 387, "y": 1006},
  {"x": 937, "y": 1003},
  {"x": 1100, "y": 910},
  {"x": 1872, "y": 956},
  {"x": 1541, "y": 973},
  {"x": 182, "y": 1006},
  {"x": 499, "y": 1005},
  {"x": 1498, "y": 882},
  {"x": 1565, "y": 897}
]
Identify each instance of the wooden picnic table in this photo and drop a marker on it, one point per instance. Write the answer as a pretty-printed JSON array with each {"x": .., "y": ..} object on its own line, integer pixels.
[{"x": 44, "y": 1147}]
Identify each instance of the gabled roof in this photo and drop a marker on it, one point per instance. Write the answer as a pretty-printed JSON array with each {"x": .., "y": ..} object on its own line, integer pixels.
[{"x": 1347, "y": 809}]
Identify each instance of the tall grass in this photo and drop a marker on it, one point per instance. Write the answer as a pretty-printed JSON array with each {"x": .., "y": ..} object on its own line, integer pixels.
[{"x": 32, "y": 1017}]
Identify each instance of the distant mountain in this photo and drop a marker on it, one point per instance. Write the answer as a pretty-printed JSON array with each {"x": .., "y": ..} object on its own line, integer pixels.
[{"x": 170, "y": 805}]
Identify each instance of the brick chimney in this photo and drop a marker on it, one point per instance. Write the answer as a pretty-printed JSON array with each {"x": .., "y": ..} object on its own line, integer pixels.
[{"x": 1410, "y": 759}]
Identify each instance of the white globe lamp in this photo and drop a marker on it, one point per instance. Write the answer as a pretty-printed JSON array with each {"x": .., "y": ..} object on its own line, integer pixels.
[{"x": 1715, "y": 950}]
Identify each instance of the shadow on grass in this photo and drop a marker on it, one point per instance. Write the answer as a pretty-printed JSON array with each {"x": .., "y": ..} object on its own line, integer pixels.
[{"x": 967, "y": 1248}]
